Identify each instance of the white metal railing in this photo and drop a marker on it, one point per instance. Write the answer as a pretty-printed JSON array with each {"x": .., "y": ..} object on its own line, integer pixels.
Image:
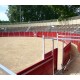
[
  {"x": 6, "y": 70},
  {"x": 72, "y": 36},
  {"x": 63, "y": 39}
]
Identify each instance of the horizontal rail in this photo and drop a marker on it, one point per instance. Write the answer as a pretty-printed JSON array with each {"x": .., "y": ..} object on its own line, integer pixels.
[
  {"x": 63, "y": 39},
  {"x": 6, "y": 70},
  {"x": 69, "y": 36}
]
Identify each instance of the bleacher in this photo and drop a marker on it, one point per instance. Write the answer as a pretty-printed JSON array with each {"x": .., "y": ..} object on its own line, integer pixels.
[
  {"x": 55, "y": 28},
  {"x": 14, "y": 29}
]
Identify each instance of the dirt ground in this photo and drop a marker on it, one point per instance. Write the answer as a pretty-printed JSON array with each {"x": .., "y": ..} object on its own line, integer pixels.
[{"x": 18, "y": 53}]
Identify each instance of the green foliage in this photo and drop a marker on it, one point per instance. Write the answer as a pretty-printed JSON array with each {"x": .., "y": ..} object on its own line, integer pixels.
[
  {"x": 4, "y": 22},
  {"x": 0, "y": 21},
  {"x": 40, "y": 12}
]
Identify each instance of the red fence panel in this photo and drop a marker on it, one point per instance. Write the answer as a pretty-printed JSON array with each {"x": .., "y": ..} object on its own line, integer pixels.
[
  {"x": 21, "y": 33},
  {"x": 39, "y": 34},
  {"x": 66, "y": 55},
  {"x": 48, "y": 54},
  {"x": 10, "y": 34},
  {"x": 54, "y": 34},
  {"x": 26, "y": 34},
  {"x": 16, "y": 34},
  {"x": 1, "y": 34},
  {"x": 50, "y": 34},
  {"x": 31, "y": 34},
  {"x": 55, "y": 54},
  {"x": 45, "y": 34},
  {"x": 55, "y": 57},
  {"x": 5, "y": 34},
  {"x": 44, "y": 67}
]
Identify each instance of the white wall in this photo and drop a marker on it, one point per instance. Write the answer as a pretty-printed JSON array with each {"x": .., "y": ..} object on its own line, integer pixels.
[{"x": 45, "y": 23}]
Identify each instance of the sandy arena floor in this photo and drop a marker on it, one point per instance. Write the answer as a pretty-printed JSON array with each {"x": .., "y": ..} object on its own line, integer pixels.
[{"x": 18, "y": 53}]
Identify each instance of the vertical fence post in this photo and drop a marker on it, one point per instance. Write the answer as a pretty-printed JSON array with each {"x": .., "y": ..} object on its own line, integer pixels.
[
  {"x": 57, "y": 40},
  {"x": 43, "y": 46},
  {"x": 8, "y": 34},
  {"x": 52, "y": 46},
  {"x": 62, "y": 56}
]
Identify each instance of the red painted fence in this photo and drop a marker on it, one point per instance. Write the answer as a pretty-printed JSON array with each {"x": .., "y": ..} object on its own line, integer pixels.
[
  {"x": 66, "y": 54},
  {"x": 55, "y": 56},
  {"x": 27, "y": 34},
  {"x": 43, "y": 67},
  {"x": 48, "y": 66}
]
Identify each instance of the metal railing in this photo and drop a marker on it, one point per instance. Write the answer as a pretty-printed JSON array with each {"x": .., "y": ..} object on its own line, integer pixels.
[{"x": 6, "y": 70}]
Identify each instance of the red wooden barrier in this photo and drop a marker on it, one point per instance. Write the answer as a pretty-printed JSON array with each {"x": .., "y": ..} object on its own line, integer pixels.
[
  {"x": 54, "y": 34},
  {"x": 45, "y": 34},
  {"x": 5, "y": 34},
  {"x": 16, "y": 34},
  {"x": 32, "y": 34},
  {"x": 0, "y": 34},
  {"x": 21, "y": 33},
  {"x": 26, "y": 34},
  {"x": 39, "y": 34},
  {"x": 55, "y": 57},
  {"x": 11, "y": 34},
  {"x": 66, "y": 55},
  {"x": 48, "y": 54},
  {"x": 55, "y": 54},
  {"x": 49, "y": 34},
  {"x": 44, "y": 67}
]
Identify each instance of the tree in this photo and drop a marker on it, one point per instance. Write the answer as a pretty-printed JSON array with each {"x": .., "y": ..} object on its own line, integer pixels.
[
  {"x": 65, "y": 11},
  {"x": 0, "y": 21},
  {"x": 13, "y": 13},
  {"x": 40, "y": 12}
]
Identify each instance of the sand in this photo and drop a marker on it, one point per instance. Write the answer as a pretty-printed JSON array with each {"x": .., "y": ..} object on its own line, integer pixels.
[{"x": 18, "y": 53}]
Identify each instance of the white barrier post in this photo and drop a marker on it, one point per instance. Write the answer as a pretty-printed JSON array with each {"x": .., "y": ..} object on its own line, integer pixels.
[
  {"x": 58, "y": 53},
  {"x": 57, "y": 40},
  {"x": 43, "y": 44},
  {"x": 52, "y": 46},
  {"x": 62, "y": 56}
]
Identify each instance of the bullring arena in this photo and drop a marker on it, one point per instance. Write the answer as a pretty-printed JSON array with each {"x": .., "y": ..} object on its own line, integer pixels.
[{"x": 40, "y": 50}]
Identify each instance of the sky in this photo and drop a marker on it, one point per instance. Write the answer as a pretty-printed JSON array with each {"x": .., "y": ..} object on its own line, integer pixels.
[{"x": 3, "y": 15}]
